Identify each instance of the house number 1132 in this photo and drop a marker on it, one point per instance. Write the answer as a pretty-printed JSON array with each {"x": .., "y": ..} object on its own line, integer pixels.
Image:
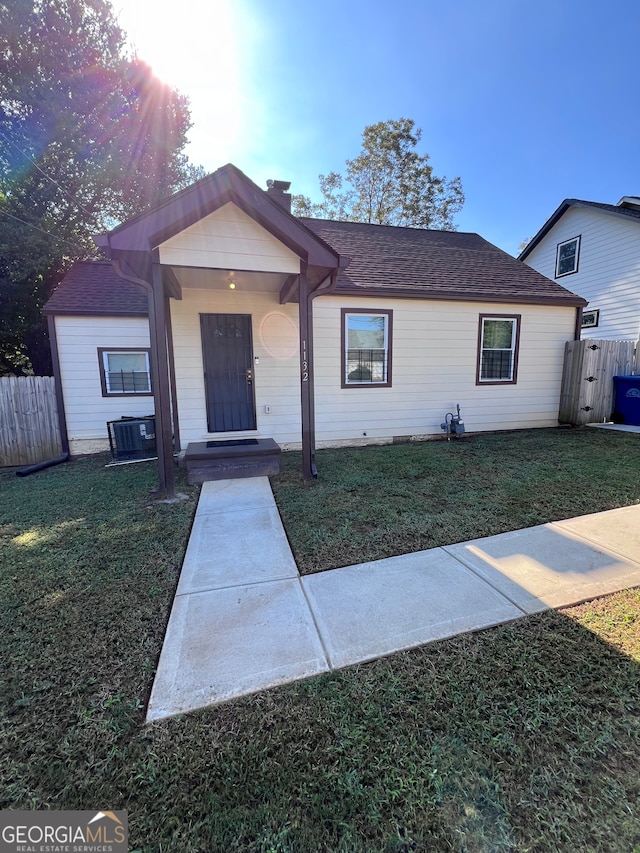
[{"x": 305, "y": 363}]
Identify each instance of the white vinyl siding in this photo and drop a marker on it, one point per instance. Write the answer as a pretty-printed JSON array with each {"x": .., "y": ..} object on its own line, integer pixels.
[
  {"x": 229, "y": 239},
  {"x": 86, "y": 410},
  {"x": 608, "y": 273},
  {"x": 435, "y": 347},
  {"x": 435, "y": 350}
]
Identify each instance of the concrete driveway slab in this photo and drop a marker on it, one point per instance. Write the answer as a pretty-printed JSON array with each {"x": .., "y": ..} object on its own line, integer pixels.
[
  {"x": 618, "y": 530},
  {"x": 227, "y": 643},
  {"x": 546, "y": 566},
  {"x": 236, "y": 547},
  {"x": 377, "y": 608}
]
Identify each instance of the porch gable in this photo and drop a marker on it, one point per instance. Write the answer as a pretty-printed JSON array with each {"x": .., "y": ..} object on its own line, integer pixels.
[{"x": 229, "y": 239}]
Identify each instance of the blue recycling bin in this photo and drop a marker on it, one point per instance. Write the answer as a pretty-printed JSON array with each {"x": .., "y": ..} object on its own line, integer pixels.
[{"x": 626, "y": 409}]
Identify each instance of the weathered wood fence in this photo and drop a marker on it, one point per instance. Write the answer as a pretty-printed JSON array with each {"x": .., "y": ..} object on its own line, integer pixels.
[
  {"x": 29, "y": 430},
  {"x": 586, "y": 396}
]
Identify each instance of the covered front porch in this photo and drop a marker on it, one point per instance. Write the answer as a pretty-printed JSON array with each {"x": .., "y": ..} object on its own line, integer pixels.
[{"x": 230, "y": 278}]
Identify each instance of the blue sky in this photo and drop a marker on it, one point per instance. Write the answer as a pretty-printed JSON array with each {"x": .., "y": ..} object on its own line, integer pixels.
[{"x": 528, "y": 101}]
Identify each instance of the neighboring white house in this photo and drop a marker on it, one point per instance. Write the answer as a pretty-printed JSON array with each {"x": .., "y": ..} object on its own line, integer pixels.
[
  {"x": 302, "y": 330},
  {"x": 594, "y": 250}
]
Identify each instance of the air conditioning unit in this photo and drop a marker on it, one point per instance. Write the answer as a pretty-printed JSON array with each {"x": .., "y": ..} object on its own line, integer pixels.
[{"x": 132, "y": 439}]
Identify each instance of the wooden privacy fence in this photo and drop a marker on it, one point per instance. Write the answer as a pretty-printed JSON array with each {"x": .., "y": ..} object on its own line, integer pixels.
[
  {"x": 29, "y": 430},
  {"x": 586, "y": 396}
]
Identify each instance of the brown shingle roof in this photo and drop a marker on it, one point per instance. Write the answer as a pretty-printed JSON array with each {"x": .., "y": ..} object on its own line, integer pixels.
[
  {"x": 385, "y": 260},
  {"x": 433, "y": 264},
  {"x": 92, "y": 287}
]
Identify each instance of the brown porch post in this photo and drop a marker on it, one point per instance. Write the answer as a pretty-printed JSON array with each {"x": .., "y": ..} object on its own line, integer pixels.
[
  {"x": 158, "y": 331},
  {"x": 172, "y": 377},
  {"x": 305, "y": 311}
]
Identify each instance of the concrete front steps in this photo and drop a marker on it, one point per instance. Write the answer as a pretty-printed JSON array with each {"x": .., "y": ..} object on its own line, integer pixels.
[{"x": 231, "y": 459}]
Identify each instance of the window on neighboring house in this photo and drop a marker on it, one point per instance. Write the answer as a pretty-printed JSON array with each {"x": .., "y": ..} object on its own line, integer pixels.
[
  {"x": 366, "y": 347},
  {"x": 498, "y": 338},
  {"x": 124, "y": 372},
  {"x": 590, "y": 319},
  {"x": 567, "y": 256}
]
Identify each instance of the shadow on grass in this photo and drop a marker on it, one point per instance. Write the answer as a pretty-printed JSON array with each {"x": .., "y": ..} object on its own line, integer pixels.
[
  {"x": 522, "y": 737},
  {"x": 376, "y": 502}
]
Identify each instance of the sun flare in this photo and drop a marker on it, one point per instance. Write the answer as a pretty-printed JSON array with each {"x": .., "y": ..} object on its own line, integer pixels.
[{"x": 197, "y": 47}]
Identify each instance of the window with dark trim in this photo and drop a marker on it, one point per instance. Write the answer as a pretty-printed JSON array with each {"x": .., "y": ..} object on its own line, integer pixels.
[
  {"x": 366, "y": 347},
  {"x": 498, "y": 341},
  {"x": 567, "y": 255},
  {"x": 124, "y": 372},
  {"x": 591, "y": 318}
]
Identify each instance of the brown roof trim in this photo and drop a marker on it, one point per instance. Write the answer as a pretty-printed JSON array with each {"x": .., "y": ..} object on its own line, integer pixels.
[
  {"x": 93, "y": 312},
  {"x": 289, "y": 289},
  {"x": 370, "y": 293},
  {"x": 570, "y": 301},
  {"x": 228, "y": 184}
]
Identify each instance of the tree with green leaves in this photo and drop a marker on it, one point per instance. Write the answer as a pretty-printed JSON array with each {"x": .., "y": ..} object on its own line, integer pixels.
[
  {"x": 388, "y": 183},
  {"x": 88, "y": 137}
]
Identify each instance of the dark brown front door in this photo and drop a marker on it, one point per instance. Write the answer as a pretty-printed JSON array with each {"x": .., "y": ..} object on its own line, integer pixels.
[{"x": 227, "y": 348}]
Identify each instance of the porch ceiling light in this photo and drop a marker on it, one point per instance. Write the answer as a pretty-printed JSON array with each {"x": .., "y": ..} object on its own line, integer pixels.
[{"x": 232, "y": 284}]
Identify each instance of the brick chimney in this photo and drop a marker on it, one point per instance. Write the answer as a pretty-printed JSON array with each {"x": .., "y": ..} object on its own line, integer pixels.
[{"x": 277, "y": 190}]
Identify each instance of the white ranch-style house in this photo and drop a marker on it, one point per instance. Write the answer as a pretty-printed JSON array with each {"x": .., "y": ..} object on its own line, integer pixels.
[{"x": 231, "y": 320}]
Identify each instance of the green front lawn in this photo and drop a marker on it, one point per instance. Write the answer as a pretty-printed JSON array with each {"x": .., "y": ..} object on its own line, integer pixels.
[
  {"x": 376, "y": 502},
  {"x": 525, "y": 737}
]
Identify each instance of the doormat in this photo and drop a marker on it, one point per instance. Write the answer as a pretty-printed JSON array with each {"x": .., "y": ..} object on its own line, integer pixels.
[{"x": 237, "y": 442}]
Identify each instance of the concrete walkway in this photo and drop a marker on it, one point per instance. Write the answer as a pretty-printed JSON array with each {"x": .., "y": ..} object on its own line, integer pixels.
[{"x": 243, "y": 619}]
